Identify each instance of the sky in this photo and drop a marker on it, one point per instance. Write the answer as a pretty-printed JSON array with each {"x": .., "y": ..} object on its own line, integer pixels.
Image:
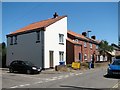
[{"x": 99, "y": 17}]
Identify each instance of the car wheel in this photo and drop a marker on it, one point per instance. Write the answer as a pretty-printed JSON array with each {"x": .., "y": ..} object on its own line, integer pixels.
[
  {"x": 28, "y": 72},
  {"x": 11, "y": 70}
]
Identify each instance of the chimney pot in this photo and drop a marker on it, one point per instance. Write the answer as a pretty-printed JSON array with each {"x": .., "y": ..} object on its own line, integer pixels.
[
  {"x": 84, "y": 34},
  {"x": 55, "y": 15},
  {"x": 93, "y": 37}
]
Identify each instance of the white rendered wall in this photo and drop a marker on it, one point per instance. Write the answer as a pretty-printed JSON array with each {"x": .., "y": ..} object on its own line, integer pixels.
[{"x": 52, "y": 41}]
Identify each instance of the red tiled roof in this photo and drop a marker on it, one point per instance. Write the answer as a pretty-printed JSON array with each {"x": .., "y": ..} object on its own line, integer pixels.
[
  {"x": 40, "y": 24},
  {"x": 74, "y": 42},
  {"x": 81, "y": 36},
  {"x": 77, "y": 35}
]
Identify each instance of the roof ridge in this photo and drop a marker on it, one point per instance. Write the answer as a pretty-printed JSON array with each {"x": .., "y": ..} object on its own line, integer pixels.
[{"x": 39, "y": 24}]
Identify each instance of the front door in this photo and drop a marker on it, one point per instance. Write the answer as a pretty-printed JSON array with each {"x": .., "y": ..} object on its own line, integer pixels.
[{"x": 51, "y": 58}]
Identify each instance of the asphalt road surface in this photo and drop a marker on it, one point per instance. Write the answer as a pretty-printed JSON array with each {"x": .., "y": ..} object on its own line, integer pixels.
[{"x": 88, "y": 79}]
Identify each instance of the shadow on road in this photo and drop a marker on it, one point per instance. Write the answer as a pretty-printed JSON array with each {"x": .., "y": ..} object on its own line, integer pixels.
[
  {"x": 112, "y": 77},
  {"x": 82, "y": 88}
]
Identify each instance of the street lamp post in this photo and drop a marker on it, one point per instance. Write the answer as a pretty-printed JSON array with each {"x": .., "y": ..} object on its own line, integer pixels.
[
  {"x": 88, "y": 33},
  {"x": 89, "y": 47}
]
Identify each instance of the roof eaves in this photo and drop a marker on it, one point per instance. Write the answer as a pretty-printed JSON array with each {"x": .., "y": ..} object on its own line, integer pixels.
[
  {"x": 28, "y": 31},
  {"x": 75, "y": 43}
]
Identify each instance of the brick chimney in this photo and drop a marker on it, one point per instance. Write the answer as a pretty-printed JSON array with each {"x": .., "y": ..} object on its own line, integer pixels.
[
  {"x": 55, "y": 15},
  {"x": 93, "y": 37},
  {"x": 84, "y": 34}
]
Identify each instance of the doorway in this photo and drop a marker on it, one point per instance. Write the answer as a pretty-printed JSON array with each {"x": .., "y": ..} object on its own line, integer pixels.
[{"x": 51, "y": 55}]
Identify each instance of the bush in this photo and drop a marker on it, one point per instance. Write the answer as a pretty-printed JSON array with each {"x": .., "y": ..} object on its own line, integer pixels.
[{"x": 69, "y": 65}]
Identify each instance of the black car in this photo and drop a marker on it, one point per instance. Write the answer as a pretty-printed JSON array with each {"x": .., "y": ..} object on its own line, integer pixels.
[{"x": 24, "y": 67}]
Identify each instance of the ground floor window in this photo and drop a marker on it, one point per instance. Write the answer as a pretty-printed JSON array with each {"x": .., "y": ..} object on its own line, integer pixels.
[
  {"x": 91, "y": 57},
  {"x": 80, "y": 56},
  {"x": 61, "y": 56},
  {"x": 85, "y": 56}
]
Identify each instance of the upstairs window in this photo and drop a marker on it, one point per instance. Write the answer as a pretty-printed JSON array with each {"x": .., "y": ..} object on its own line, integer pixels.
[
  {"x": 61, "y": 56},
  {"x": 85, "y": 56},
  {"x": 85, "y": 44},
  {"x": 61, "y": 39},
  {"x": 38, "y": 36},
  {"x": 76, "y": 40},
  {"x": 11, "y": 40},
  {"x": 96, "y": 46},
  {"x": 91, "y": 57},
  {"x": 15, "y": 40},
  {"x": 90, "y": 45}
]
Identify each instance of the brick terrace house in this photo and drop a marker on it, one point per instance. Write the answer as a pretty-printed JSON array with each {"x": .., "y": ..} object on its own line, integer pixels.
[{"x": 80, "y": 47}]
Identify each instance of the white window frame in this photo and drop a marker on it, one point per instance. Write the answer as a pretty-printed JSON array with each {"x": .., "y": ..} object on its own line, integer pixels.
[
  {"x": 61, "y": 56},
  {"x": 85, "y": 57},
  {"x": 76, "y": 40},
  {"x": 61, "y": 38},
  {"x": 85, "y": 44},
  {"x": 96, "y": 46},
  {"x": 91, "y": 57},
  {"x": 90, "y": 45}
]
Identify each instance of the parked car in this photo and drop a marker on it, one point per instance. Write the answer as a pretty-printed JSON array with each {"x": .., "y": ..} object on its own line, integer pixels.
[
  {"x": 114, "y": 67},
  {"x": 24, "y": 67}
]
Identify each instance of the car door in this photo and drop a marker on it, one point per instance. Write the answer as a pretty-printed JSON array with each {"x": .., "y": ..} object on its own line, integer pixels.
[
  {"x": 15, "y": 65},
  {"x": 21, "y": 66}
]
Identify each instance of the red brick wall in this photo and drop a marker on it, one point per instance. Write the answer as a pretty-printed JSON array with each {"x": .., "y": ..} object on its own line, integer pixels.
[
  {"x": 69, "y": 52},
  {"x": 87, "y": 50},
  {"x": 74, "y": 50},
  {"x": 77, "y": 50}
]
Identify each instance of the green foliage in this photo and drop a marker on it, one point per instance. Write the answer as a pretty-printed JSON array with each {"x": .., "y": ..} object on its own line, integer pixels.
[
  {"x": 3, "y": 49},
  {"x": 104, "y": 46},
  {"x": 3, "y": 54},
  {"x": 69, "y": 65}
]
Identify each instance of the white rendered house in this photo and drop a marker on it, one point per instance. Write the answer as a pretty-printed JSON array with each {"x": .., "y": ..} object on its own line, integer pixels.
[{"x": 43, "y": 43}]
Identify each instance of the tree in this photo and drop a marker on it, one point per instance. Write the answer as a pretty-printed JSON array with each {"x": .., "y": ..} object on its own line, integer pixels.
[
  {"x": 104, "y": 47},
  {"x": 3, "y": 54}
]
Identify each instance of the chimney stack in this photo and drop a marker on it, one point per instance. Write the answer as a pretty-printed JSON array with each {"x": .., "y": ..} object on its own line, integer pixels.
[
  {"x": 93, "y": 37},
  {"x": 55, "y": 15},
  {"x": 84, "y": 34}
]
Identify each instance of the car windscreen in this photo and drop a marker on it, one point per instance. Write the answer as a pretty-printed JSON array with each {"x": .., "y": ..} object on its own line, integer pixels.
[
  {"x": 28, "y": 63},
  {"x": 116, "y": 62}
]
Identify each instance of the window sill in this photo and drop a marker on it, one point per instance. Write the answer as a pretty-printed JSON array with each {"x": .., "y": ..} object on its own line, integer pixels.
[
  {"x": 37, "y": 41},
  {"x": 61, "y": 43}
]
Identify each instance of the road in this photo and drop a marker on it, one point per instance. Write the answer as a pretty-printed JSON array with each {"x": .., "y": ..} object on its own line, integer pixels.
[{"x": 87, "y": 79}]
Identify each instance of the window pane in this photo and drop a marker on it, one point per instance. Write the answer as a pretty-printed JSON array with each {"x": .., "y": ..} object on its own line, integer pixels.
[
  {"x": 85, "y": 57},
  {"x": 61, "y": 38},
  {"x": 84, "y": 44},
  {"x": 11, "y": 42},
  {"x": 38, "y": 35},
  {"x": 15, "y": 39},
  {"x": 61, "y": 56}
]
